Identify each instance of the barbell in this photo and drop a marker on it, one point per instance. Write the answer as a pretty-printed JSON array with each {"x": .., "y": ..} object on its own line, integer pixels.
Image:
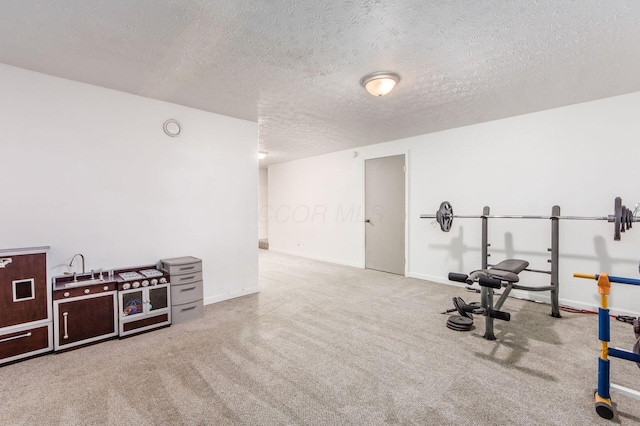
[{"x": 622, "y": 218}]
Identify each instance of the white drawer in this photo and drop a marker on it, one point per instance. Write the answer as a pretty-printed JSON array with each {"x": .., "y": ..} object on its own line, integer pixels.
[
  {"x": 187, "y": 312},
  {"x": 186, "y": 293}
]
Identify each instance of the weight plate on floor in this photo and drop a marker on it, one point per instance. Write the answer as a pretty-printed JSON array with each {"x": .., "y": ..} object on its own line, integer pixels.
[
  {"x": 456, "y": 328},
  {"x": 460, "y": 323},
  {"x": 477, "y": 307},
  {"x": 636, "y": 350},
  {"x": 460, "y": 304}
]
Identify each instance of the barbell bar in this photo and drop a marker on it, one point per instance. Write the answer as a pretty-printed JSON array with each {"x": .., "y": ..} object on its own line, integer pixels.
[{"x": 622, "y": 218}]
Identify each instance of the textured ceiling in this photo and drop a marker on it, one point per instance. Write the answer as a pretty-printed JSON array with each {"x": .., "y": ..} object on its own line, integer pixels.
[{"x": 294, "y": 65}]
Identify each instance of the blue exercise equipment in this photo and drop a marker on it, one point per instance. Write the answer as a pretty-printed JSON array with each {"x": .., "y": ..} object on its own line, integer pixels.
[{"x": 602, "y": 395}]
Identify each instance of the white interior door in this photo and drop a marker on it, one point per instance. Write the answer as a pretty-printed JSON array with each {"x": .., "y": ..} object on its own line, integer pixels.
[{"x": 385, "y": 214}]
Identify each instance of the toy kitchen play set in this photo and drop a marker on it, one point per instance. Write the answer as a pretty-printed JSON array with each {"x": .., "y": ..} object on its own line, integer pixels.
[{"x": 39, "y": 314}]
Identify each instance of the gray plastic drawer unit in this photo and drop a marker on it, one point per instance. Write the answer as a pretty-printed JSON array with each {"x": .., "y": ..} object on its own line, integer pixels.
[
  {"x": 186, "y": 293},
  {"x": 181, "y": 265},
  {"x": 192, "y": 277},
  {"x": 186, "y": 288},
  {"x": 187, "y": 311}
]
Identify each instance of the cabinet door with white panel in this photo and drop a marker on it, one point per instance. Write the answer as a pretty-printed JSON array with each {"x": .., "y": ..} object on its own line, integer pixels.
[
  {"x": 144, "y": 308},
  {"x": 25, "y": 303},
  {"x": 84, "y": 314}
]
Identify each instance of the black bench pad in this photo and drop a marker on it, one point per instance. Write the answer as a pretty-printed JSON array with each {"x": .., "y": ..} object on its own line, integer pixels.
[
  {"x": 512, "y": 265},
  {"x": 507, "y": 270}
]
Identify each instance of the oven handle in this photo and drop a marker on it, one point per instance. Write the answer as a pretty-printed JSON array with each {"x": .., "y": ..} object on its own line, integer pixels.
[
  {"x": 188, "y": 289},
  {"x": 27, "y": 334},
  {"x": 65, "y": 316}
]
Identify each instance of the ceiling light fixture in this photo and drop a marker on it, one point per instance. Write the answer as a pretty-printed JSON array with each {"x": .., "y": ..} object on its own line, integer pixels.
[
  {"x": 380, "y": 83},
  {"x": 262, "y": 155}
]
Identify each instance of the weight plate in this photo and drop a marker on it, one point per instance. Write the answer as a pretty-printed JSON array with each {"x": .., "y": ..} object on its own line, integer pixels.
[
  {"x": 459, "y": 323},
  {"x": 617, "y": 211},
  {"x": 444, "y": 216},
  {"x": 460, "y": 320},
  {"x": 636, "y": 327},
  {"x": 460, "y": 304},
  {"x": 626, "y": 213},
  {"x": 456, "y": 328},
  {"x": 477, "y": 307},
  {"x": 636, "y": 350}
]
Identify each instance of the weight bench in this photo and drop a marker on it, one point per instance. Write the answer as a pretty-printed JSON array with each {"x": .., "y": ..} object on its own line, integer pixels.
[{"x": 504, "y": 274}]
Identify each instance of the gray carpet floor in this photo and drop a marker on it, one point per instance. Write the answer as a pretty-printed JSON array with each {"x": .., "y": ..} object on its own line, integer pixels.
[{"x": 326, "y": 344}]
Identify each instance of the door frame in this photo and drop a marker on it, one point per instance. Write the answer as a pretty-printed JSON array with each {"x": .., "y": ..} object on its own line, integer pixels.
[{"x": 391, "y": 153}]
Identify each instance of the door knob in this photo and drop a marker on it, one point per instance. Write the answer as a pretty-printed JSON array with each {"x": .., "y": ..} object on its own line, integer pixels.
[{"x": 367, "y": 221}]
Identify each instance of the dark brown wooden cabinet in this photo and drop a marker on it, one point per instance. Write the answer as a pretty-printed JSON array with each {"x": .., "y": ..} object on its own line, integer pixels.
[
  {"x": 25, "y": 304},
  {"x": 23, "y": 281},
  {"x": 85, "y": 314},
  {"x": 25, "y": 341}
]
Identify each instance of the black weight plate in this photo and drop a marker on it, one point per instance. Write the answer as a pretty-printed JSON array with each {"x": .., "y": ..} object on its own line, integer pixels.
[
  {"x": 459, "y": 323},
  {"x": 460, "y": 320},
  {"x": 444, "y": 216},
  {"x": 477, "y": 308},
  {"x": 456, "y": 328},
  {"x": 636, "y": 327},
  {"x": 626, "y": 213},
  {"x": 617, "y": 212},
  {"x": 460, "y": 304}
]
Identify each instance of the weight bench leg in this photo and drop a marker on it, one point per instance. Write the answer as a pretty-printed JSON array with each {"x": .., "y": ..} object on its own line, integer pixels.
[
  {"x": 492, "y": 310},
  {"x": 486, "y": 301},
  {"x": 503, "y": 297}
]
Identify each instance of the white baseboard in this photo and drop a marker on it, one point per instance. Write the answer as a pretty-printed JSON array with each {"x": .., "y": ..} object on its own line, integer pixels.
[
  {"x": 438, "y": 280},
  {"x": 426, "y": 277},
  {"x": 320, "y": 258},
  {"x": 594, "y": 308},
  {"x": 233, "y": 295}
]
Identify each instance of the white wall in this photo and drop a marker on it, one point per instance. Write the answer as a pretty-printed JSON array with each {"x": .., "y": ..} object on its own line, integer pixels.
[
  {"x": 89, "y": 170},
  {"x": 263, "y": 205},
  {"x": 579, "y": 157}
]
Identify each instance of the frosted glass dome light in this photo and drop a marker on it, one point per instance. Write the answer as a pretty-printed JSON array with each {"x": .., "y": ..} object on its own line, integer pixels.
[{"x": 380, "y": 83}]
